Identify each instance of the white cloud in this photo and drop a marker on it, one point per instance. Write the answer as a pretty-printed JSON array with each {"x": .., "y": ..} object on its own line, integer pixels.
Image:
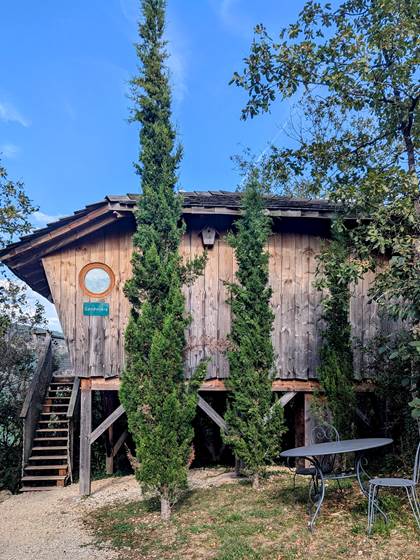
[
  {"x": 9, "y": 151},
  {"x": 9, "y": 113},
  {"x": 178, "y": 52},
  {"x": 236, "y": 20},
  {"x": 178, "y": 73},
  {"x": 130, "y": 10},
  {"x": 41, "y": 219},
  {"x": 226, "y": 7}
]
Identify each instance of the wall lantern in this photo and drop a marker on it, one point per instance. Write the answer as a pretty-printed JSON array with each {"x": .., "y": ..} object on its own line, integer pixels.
[{"x": 209, "y": 235}]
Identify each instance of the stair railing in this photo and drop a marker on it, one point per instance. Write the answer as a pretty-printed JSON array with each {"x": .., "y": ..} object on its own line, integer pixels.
[
  {"x": 32, "y": 405},
  {"x": 70, "y": 417}
]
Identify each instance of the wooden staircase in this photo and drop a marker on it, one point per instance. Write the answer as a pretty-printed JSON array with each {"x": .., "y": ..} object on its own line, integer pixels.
[{"x": 48, "y": 465}]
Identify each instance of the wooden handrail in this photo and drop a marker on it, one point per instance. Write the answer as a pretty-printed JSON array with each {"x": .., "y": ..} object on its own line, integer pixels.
[
  {"x": 73, "y": 397},
  {"x": 42, "y": 362}
]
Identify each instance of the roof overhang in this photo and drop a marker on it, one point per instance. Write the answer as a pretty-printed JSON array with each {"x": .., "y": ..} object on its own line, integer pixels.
[{"x": 24, "y": 257}]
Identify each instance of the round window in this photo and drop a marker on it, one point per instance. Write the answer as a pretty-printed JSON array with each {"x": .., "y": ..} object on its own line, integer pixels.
[{"x": 96, "y": 279}]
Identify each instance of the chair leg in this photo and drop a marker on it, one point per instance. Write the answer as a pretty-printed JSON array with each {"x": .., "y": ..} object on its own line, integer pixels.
[
  {"x": 372, "y": 497},
  {"x": 412, "y": 498},
  {"x": 416, "y": 502},
  {"x": 370, "y": 508},
  {"x": 294, "y": 482}
]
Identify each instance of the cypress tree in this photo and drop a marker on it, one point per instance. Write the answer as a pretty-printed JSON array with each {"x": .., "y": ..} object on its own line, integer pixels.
[
  {"x": 254, "y": 418},
  {"x": 336, "y": 274},
  {"x": 160, "y": 405}
]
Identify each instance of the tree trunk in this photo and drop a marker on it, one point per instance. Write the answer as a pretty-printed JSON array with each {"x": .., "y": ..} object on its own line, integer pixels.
[
  {"x": 255, "y": 482},
  {"x": 165, "y": 508}
]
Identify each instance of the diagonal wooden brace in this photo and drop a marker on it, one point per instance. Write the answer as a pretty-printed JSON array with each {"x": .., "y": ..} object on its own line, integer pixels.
[
  {"x": 211, "y": 413},
  {"x": 106, "y": 423}
]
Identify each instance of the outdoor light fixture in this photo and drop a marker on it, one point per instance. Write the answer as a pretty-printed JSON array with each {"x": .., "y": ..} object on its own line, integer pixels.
[{"x": 209, "y": 235}]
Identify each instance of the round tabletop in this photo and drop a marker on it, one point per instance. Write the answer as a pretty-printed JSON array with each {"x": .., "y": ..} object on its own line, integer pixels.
[{"x": 336, "y": 447}]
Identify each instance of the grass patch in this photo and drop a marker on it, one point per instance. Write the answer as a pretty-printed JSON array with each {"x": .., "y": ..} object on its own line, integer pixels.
[{"x": 233, "y": 522}]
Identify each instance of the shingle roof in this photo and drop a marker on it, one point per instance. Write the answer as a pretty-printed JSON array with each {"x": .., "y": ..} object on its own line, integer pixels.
[{"x": 229, "y": 199}]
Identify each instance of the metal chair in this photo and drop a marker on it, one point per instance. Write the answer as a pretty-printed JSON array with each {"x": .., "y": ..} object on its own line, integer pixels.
[
  {"x": 409, "y": 484},
  {"x": 320, "y": 434}
]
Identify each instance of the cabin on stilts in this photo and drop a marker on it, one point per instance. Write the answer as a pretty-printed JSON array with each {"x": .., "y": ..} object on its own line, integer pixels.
[{"x": 81, "y": 262}]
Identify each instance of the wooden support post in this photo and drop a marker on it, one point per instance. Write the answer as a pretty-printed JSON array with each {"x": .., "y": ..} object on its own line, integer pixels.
[
  {"x": 85, "y": 433},
  {"x": 108, "y": 403},
  {"x": 119, "y": 443},
  {"x": 109, "y": 461}
]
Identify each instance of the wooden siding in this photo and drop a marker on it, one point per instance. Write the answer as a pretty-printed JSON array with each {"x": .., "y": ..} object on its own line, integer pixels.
[{"x": 96, "y": 344}]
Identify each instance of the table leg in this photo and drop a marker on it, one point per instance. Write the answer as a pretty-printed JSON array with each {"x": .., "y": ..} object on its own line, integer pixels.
[
  {"x": 318, "y": 484},
  {"x": 360, "y": 471}
]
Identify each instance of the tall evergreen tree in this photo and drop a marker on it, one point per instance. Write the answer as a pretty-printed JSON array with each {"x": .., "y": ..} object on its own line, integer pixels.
[
  {"x": 336, "y": 275},
  {"x": 160, "y": 406},
  {"x": 254, "y": 418}
]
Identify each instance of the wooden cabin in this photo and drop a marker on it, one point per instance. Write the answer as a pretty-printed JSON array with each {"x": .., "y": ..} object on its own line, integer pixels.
[{"x": 81, "y": 263}]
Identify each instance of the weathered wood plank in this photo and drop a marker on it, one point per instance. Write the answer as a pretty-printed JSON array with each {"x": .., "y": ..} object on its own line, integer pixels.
[
  {"x": 287, "y": 397},
  {"x": 301, "y": 312},
  {"x": 225, "y": 267},
  {"x": 105, "y": 384},
  {"x": 197, "y": 332},
  {"x": 287, "y": 350},
  {"x": 85, "y": 447},
  {"x": 275, "y": 281},
  {"x": 211, "y": 284}
]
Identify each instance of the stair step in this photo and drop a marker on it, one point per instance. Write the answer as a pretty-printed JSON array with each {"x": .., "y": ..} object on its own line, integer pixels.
[
  {"x": 47, "y": 477},
  {"x": 50, "y": 438},
  {"x": 55, "y": 397},
  {"x": 56, "y": 413},
  {"x": 44, "y": 467},
  {"x": 53, "y": 422},
  {"x": 50, "y": 448},
  {"x": 54, "y": 407},
  {"x": 47, "y": 457},
  {"x": 61, "y": 385},
  {"x": 52, "y": 430},
  {"x": 37, "y": 488}
]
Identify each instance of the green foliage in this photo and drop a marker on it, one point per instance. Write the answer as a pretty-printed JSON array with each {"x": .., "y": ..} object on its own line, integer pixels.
[
  {"x": 392, "y": 360},
  {"x": 335, "y": 274},
  {"x": 255, "y": 428},
  {"x": 17, "y": 320},
  {"x": 355, "y": 69},
  {"x": 160, "y": 406},
  {"x": 415, "y": 405},
  {"x": 15, "y": 208}
]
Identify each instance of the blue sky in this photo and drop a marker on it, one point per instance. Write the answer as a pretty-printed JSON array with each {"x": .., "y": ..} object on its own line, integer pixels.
[{"x": 63, "y": 94}]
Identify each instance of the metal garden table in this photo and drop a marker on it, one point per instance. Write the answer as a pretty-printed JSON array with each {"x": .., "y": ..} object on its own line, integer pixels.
[{"x": 313, "y": 452}]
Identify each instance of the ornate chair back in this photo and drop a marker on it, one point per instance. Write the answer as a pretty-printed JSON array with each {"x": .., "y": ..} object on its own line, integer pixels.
[{"x": 324, "y": 433}]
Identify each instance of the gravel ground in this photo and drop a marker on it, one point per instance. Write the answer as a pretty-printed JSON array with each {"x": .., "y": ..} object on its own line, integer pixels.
[{"x": 47, "y": 525}]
